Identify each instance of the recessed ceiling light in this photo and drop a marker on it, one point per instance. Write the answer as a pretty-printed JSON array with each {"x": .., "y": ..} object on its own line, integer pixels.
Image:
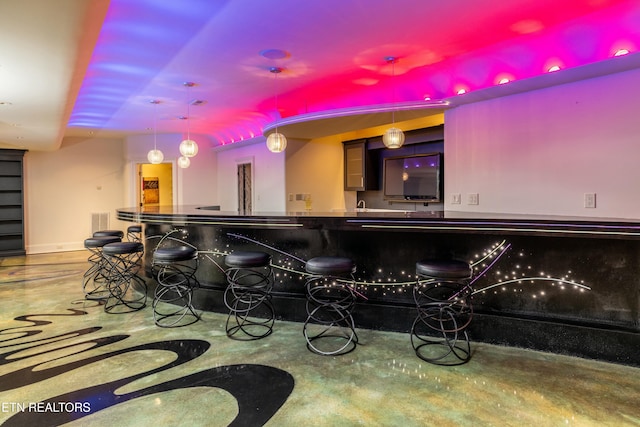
[
  {"x": 461, "y": 91},
  {"x": 621, "y": 52},
  {"x": 274, "y": 53},
  {"x": 503, "y": 80},
  {"x": 553, "y": 68},
  {"x": 527, "y": 26}
]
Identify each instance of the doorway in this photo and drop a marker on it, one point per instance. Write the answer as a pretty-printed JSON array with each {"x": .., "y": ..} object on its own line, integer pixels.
[
  {"x": 155, "y": 184},
  {"x": 244, "y": 188}
]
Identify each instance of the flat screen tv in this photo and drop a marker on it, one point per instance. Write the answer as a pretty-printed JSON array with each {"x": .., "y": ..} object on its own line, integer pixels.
[{"x": 413, "y": 178}]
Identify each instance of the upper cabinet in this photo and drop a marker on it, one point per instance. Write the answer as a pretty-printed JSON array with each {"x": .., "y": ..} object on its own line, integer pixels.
[{"x": 360, "y": 167}]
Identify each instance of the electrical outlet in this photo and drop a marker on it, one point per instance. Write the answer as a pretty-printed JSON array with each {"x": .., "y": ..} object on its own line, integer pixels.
[
  {"x": 589, "y": 200},
  {"x": 473, "y": 199},
  {"x": 456, "y": 199}
]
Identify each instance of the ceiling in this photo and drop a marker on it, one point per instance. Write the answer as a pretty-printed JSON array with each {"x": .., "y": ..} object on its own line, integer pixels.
[{"x": 89, "y": 68}]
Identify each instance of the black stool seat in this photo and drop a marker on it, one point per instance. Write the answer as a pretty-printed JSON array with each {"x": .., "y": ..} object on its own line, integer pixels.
[
  {"x": 134, "y": 229},
  {"x": 118, "y": 233},
  {"x": 444, "y": 269},
  {"x": 100, "y": 241},
  {"x": 134, "y": 233},
  {"x": 242, "y": 259},
  {"x": 330, "y": 265},
  {"x": 119, "y": 248},
  {"x": 177, "y": 254}
]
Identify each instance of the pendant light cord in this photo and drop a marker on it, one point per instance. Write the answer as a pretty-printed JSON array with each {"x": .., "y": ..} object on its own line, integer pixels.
[
  {"x": 393, "y": 91},
  {"x": 155, "y": 124},
  {"x": 276, "y": 71},
  {"x": 188, "y": 85}
]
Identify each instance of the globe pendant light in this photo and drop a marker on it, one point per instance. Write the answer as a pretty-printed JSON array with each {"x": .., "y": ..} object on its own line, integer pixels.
[
  {"x": 188, "y": 147},
  {"x": 276, "y": 142},
  {"x": 155, "y": 156},
  {"x": 184, "y": 162},
  {"x": 393, "y": 137}
]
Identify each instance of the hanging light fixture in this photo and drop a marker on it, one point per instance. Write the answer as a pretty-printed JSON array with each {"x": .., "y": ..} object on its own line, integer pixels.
[
  {"x": 155, "y": 156},
  {"x": 184, "y": 162},
  {"x": 276, "y": 142},
  {"x": 393, "y": 137},
  {"x": 188, "y": 147}
]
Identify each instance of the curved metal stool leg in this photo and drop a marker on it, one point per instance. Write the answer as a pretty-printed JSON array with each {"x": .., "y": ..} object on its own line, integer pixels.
[
  {"x": 248, "y": 298},
  {"x": 127, "y": 290},
  {"x": 438, "y": 334},
  {"x": 173, "y": 297},
  {"x": 94, "y": 280},
  {"x": 329, "y": 328}
]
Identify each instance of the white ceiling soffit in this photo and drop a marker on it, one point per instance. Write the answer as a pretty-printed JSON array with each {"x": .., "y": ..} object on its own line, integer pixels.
[{"x": 45, "y": 48}]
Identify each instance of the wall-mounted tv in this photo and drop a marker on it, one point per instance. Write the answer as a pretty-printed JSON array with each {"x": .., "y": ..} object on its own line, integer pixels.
[{"x": 413, "y": 178}]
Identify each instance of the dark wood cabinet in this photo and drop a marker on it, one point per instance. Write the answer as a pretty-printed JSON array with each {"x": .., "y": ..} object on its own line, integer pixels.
[
  {"x": 360, "y": 167},
  {"x": 11, "y": 203}
]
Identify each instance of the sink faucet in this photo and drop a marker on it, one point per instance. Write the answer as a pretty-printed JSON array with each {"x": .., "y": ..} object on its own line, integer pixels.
[{"x": 361, "y": 202}]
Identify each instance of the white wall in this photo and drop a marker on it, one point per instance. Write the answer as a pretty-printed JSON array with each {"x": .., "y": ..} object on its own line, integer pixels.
[
  {"x": 63, "y": 187},
  {"x": 539, "y": 152},
  {"x": 195, "y": 185},
  {"x": 536, "y": 152},
  {"x": 268, "y": 171},
  {"x": 316, "y": 168}
]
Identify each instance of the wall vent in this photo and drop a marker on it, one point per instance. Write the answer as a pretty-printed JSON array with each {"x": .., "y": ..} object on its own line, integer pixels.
[{"x": 99, "y": 221}]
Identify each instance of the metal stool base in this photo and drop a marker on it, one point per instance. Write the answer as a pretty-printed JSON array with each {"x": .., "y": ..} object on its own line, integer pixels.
[
  {"x": 329, "y": 328},
  {"x": 127, "y": 292},
  {"x": 438, "y": 334},
  {"x": 173, "y": 297},
  {"x": 248, "y": 298}
]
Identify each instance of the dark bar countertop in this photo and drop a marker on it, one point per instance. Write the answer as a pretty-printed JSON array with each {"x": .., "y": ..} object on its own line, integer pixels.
[{"x": 388, "y": 219}]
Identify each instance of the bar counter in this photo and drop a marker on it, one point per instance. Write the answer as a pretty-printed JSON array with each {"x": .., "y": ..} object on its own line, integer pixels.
[{"x": 559, "y": 284}]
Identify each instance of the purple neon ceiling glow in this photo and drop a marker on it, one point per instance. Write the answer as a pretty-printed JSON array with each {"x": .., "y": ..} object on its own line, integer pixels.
[{"x": 332, "y": 53}]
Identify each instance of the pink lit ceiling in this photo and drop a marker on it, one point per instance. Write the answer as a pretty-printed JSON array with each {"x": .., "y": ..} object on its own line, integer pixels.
[{"x": 332, "y": 53}]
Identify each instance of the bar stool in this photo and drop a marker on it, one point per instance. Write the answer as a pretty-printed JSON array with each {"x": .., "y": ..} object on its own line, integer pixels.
[
  {"x": 102, "y": 233},
  {"x": 94, "y": 280},
  {"x": 329, "y": 328},
  {"x": 248, "y": 295},
  {"x": 122, "y": 261},
  {"x": 134, "y": 233},
  {"x": 442, "y": 294},
  {"x": 174, "y": 269}
]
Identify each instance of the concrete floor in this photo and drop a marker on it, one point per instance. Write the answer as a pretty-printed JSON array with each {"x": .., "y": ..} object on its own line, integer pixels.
[{"x": 64, "y": 360}]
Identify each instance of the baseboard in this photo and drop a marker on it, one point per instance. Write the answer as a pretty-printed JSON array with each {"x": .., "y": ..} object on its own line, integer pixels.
[{"x": 54, "y": 247}]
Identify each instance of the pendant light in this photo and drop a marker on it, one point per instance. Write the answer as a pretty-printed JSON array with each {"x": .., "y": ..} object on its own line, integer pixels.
[
  {"x": 393, "y": 137},
  {"x": 155, "y": 156},
  {"x": 188, "y": 147},
  {"x": 276, "y": 142},
  {"x": 184, "y": 162}
]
